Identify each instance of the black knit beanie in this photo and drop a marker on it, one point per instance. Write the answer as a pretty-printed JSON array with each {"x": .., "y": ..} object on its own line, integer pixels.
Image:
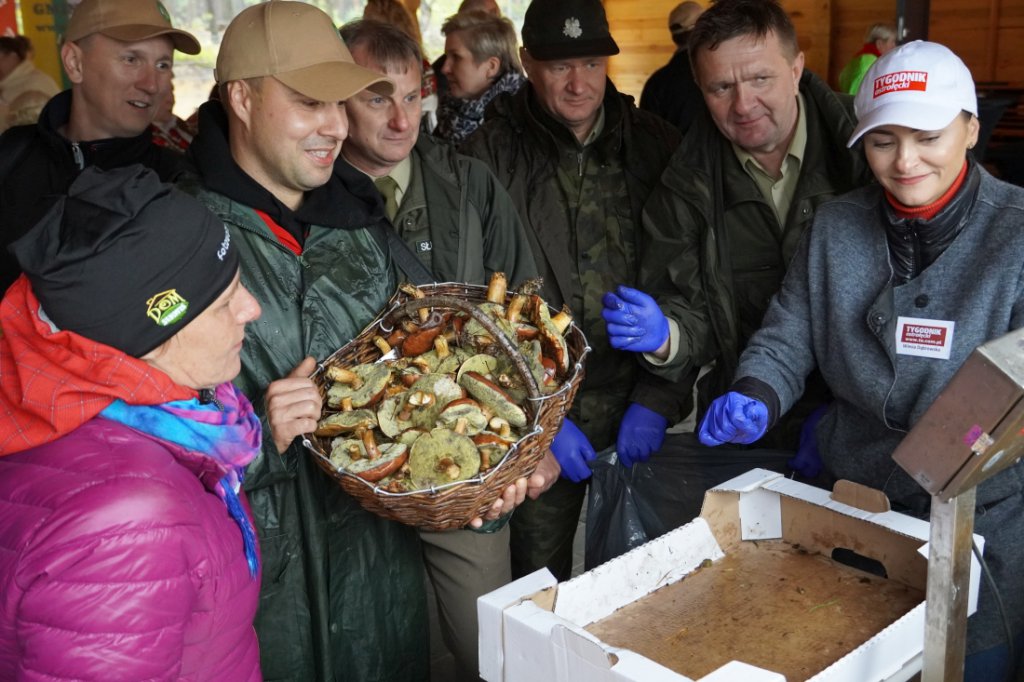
[{"x": 126, "y": 260}]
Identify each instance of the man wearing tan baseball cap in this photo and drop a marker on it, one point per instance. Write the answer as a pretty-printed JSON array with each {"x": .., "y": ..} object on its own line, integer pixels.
[
  {"x": 118, "y": 56},
  {"x": 343, "y": 596}
]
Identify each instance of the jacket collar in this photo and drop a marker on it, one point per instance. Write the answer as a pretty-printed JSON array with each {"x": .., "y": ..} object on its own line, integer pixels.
[{"x": 109, "y": 152}]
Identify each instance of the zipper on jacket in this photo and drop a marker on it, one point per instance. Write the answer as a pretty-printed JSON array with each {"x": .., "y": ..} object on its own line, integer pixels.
[
  {"x": 76, "y": 151},
  {"x": 207, "y": 396},
  {"x": 579, "y": 163}
]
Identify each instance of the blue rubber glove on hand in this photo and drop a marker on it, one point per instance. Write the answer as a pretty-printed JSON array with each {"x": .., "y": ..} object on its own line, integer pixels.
[
  {"x": 807, "y": 461},
  {"x": 572, "y": 450},
  {"x": 641, "y": 434},
  {"x": 634, "y": 320},
  {"x": 733, "y": 418}
]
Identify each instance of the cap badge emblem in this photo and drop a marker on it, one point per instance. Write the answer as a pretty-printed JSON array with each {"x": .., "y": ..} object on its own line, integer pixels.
[
  {"x": 163, "y": 11},
  {"x": 572, "y": 28},
  {"x": 167, "y": 307}
]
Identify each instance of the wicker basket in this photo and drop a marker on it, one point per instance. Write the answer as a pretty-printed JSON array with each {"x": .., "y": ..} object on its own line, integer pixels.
[{"x": 455, "y": 504}]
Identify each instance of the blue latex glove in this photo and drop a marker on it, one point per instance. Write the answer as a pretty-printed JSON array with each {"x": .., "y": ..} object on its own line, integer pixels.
[
  {"x": 572, "y": 450},
  {"x": 807, "y": 461},
  {"x": 733, "y": 418},
  {"x": 634, "y": 320},
  {"x": 640, "y": 435}
]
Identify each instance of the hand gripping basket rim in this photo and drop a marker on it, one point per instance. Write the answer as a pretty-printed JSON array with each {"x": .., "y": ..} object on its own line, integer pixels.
[{"x": 452, "y": 505}]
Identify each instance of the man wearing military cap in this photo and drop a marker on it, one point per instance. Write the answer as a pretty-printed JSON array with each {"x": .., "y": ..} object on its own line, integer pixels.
[
  {"x": 118, "y": 56},
  {"x": 579, "y": 160}
]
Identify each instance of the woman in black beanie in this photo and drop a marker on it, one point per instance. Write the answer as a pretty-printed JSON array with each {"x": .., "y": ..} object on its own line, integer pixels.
[{"x": 129, "y": 552}]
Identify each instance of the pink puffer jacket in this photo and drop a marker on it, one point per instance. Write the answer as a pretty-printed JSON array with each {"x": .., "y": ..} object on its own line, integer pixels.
[{"x": 119, "y": 562}]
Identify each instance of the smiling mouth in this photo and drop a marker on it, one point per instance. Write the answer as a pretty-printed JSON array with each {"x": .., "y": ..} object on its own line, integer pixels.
[
  {"x": 323, "y": 155},
  {"x": 139, "y": 104}
]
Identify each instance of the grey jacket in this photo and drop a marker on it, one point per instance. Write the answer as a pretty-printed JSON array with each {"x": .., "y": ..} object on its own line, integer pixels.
[{"x": 838, "y": 311}]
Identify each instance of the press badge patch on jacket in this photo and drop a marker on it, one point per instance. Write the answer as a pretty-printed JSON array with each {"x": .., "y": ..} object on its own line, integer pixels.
[
  {"x": 423, "y": 247},
  {"x": 924, "y": 338}
]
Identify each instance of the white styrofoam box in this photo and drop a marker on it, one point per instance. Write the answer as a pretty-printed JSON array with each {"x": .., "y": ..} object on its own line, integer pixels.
[{"x": 532, "y": 630}]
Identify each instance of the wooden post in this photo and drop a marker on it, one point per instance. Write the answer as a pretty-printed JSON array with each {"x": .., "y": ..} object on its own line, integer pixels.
[{"x": 949, "y": 571}]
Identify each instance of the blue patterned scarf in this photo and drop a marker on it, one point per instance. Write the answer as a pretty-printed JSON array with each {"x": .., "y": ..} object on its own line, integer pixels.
[
  {"x": 457, "y": 118},
  {"x": 224, "y": 429}
]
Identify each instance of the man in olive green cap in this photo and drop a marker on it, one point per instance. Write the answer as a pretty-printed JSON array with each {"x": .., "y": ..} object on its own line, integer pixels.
[{"x": 118, "y": 56}]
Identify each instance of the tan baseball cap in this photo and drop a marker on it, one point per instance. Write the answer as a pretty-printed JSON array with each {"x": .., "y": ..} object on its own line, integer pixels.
[
  {"x": 128, "y": 21},
  {"x": 297, "y": 44}
]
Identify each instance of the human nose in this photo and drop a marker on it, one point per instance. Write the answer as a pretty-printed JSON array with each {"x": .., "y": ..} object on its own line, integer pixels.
[
  {"x": 576, "y": 82},
  {"x": 743, "y": 101},
  {"x": 148, "y": 80},
  {"x": 335, "y": 123},
  {"x": 446, "y": 68},
  {"x": 399, "y": 118},
  {"x": 249, "y": 308},
  {"x": 906, "y": 158}
]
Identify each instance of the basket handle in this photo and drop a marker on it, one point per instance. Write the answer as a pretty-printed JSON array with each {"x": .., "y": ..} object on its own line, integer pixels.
[{"x": 445, "y": 301}]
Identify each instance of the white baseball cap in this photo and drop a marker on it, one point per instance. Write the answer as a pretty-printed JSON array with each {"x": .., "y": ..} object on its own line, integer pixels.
[{"x": 919, "y": 85}]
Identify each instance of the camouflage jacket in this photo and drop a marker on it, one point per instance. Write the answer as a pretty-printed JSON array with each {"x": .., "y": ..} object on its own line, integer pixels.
[{"x": 525, "y": 148}]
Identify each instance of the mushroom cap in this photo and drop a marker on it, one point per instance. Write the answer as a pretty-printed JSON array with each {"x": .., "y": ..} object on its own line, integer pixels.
[
  {"x": 344, "y": 422},
  {"x": 392, "y": 456},
  {"x": 434, "y": 453},
  {"x": 468, "y": 409},
  {"x": 375, "y": 376},
  {"x": 551, "y": 339},
  {"x": 494, "y": 398},
  {"x": 481, "y": 363},
  {"x": 444, "y": 389},
  {"x": 387, "y": 415}
]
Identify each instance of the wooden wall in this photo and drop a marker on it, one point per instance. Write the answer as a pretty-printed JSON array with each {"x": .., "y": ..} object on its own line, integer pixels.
[
  {"x": 987, "y": 34},
  {"x": 641, "y": 30}
]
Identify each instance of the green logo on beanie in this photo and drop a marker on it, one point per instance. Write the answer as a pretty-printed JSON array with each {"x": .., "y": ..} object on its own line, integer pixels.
[{"x": 167, "y": 308}]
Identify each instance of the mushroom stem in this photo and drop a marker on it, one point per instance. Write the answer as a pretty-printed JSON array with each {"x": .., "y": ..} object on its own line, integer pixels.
[
  {"x": 382, "y": 344},
  {"x": 496, "y": 288},
  {"x": 501, "y": 426},
  {"x": 441, "y": 347},
  {"x": 461, "y": 424},
  {"x": 562, "y": 319},
  {"x": 341, "y": 375},
  {"x": 515, "y": 308},
  {"x": 346, "y": 404},
  {"x": 366, "y": 435}
]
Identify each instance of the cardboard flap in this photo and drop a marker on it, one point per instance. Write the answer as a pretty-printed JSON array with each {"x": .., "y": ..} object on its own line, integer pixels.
[{"x": 860, "y": 496}]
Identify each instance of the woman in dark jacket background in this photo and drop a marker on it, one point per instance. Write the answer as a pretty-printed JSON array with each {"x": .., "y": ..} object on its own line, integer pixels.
[
  {"x": 481, "y": 62},
  {"x": 128, "y": 551}
]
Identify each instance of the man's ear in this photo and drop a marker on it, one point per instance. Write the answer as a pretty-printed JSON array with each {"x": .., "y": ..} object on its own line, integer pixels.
[
  {"x": 526, "y": 60},
  {"x": 239, "y": 100},
  {"x": 71, "y": 59}
]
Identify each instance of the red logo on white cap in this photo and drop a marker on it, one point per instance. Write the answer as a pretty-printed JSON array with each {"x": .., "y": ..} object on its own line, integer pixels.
[{"x": 901, "y": 81}]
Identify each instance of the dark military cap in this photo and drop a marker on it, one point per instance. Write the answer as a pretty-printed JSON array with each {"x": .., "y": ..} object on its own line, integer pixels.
[{"x": 567, "y": 29}]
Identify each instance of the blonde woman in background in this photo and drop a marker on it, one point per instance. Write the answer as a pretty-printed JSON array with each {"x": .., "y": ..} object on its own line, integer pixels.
[{"x": 481, "y": 62}]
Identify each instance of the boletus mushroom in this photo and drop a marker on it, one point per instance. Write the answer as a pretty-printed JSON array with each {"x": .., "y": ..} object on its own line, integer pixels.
[
  {"x": 364, "y": 384},
  {"x": 494, "y": 398},
  {"x": 442, "y": 456},
  {"x": 351, "y": 454}
]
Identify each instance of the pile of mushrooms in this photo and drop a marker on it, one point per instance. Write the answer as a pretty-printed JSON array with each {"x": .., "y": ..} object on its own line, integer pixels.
[{"x": 449, "y": 403}]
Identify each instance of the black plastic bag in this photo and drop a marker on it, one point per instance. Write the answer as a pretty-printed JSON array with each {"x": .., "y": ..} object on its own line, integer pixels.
[
  {"x": 617, "y": 518},
  {"x": 628, "y": 507}
]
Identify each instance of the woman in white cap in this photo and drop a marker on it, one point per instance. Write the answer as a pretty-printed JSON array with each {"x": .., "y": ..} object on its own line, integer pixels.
[
  {"x": 937, "y": 245},
  {"x": 127, "y": 550}
]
